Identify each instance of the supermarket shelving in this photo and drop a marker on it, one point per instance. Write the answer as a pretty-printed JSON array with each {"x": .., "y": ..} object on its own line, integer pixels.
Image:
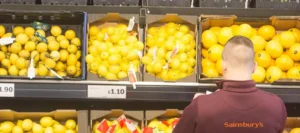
[{"x": 157, "y": 93}]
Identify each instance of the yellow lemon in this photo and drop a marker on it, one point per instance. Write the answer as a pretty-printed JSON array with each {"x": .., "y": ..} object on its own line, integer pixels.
[
  {"x": 284, "y": 62},
  {"x": 13, "y": 70},
  {"x": 42, "y": 47},
  {"x": 64, "y": 43},
  {"x": 29, "y": 31},
  {"x": 46, "y": 121},
  {"x": 209, "y": 38},
  {"x": 55, "y": 30},
  {"x": 258, "y": 42},
  {"x": 267, "y": 32},
  {"x": 30, "y": 46},
  {"x": 294, "y": 52},
  {"x": 224, "y": 35},
  {"x": 53, "y": 45},
  {"x": 17, "y": 30},
  {"x": 273, "y": 73},
  {"x": 293, "y": 73},
  {"x": 93, "y": 30},
  {"x": 263, "y": 59},
  {"x": 70, "y": 34},
  {"x": 259, "y": 74},
  {"x": 274, "y": 48},
  {"x": 210, "y": 72},
  {"x": 215, "y": 52},
  {"x": 244, "y": 30},
  {"x": 2, "y": 30},
  {"x": 287, "y": 39},
  {"x": 71, "y": 70}
]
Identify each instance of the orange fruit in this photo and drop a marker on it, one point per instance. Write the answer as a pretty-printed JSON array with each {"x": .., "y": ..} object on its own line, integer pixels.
[
  {"x": 258, "y": 42},
  {"x": 259, "y": 74},
  {"x": 267, "y": 32},
  {"x": 211, "y": 72},
  {"x": 215, "y": 52},
  {"x": 224, "y": 35},
  {"x": 274, "y": 48},
  {"x": 263, "y": 59},
  {"x": 293, "y": 73},
  {"x": 294, "y": 52},
  {"x": 273, "y": 73},
  {"x": 284, "y": 62},
  {"x": 296, "y": 33},
  {"x": 244, "y": 30},
  {"x": 287, "y": 39},
  {"x": 209, "y": 38}
]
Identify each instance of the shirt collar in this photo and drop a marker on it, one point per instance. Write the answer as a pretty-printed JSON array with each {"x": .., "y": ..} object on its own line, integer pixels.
[{"x": 237, "y": 86}]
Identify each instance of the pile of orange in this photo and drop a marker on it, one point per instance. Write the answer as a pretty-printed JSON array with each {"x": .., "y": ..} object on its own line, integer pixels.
[{"x": 276, "y": 53}]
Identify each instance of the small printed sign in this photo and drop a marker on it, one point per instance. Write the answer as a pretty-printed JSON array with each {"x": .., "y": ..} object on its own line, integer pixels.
[
  {"x": 107, "y": 92},
  {"x": 7, "y": 90}
]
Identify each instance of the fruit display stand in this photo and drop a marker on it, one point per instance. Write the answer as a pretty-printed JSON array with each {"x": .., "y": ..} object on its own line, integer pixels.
[
  {"x": 291, "y": 123},
  {"x": 163, "y": 120},
  {"x": 99, "y": 117},
  {"x": 164, "y": 52},
  {"x": 31, "y": 46},
  {"x": 117, "y": 54},
  {"x": 51, "y": 121},
  {"x": 280, "y": 23},
  {"x": 47, "y": 95}
]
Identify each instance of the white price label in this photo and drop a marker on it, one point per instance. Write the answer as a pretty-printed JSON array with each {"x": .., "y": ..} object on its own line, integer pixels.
[
  {"x": 107, "y": 92},
  {"x": 7, "y": 90}
]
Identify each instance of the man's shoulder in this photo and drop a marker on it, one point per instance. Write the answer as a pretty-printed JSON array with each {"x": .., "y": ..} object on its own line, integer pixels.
[
  {"x": 270, "y": 96},
  {"x": 204, "y": 98}
]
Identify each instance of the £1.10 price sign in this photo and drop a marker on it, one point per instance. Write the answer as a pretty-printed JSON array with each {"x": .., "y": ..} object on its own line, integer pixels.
[
  {"x": 7, "y": 90},
  {"x": 106, "y": 92}
]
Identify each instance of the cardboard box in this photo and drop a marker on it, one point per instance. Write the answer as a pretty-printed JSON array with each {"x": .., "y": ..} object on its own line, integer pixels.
[
  {"x": 112, "y": 19},
  {"x": 137, "y": 117},
  {"x": 160, "y": 20},
  {"x": 59, "y": 115},
  {"x": 162, "y": 114},
  {"x": 291, "y": 122},
  {"x": 280, "y": 23}
]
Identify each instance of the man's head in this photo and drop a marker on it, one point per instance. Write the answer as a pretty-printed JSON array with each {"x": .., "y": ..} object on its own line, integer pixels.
[{"x": 238, "y": 59}]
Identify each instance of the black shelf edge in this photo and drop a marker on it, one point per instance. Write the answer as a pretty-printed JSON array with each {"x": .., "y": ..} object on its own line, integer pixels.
[
  {"x": 145, "y": 91},
  {"x": 250, "y": 12}
]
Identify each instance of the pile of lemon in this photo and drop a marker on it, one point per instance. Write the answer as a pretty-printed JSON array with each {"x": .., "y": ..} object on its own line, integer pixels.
[
  {"x": 161, "y": 42},
  {"x": 276, "y": 53},
  {"x": 45, "y": 125},
  {"x": 60, "y": 53},
  {"x": 113, "y": 51}
]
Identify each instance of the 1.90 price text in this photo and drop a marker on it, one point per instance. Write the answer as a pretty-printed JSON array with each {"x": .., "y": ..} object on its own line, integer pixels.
[{"x": 6, "y": 89}]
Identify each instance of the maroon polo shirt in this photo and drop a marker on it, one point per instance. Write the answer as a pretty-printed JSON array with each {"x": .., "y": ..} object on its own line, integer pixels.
[{"x": 239, "y": 107}]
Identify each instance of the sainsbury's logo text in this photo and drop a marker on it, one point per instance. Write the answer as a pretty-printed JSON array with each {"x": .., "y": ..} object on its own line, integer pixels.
[{"x": 243, "y": 124}]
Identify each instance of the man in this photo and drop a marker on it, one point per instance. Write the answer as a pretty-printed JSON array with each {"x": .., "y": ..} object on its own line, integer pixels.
[{"x": 238, "y": 107}]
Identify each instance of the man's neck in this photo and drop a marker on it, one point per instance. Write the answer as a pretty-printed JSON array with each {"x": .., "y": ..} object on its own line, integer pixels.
[{"x": 238, "y": 76}]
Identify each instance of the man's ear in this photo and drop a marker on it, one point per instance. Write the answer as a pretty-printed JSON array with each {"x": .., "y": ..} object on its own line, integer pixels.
[
  {"x": 224, "y": 66},
  {"x": 254, "y": 67}
]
